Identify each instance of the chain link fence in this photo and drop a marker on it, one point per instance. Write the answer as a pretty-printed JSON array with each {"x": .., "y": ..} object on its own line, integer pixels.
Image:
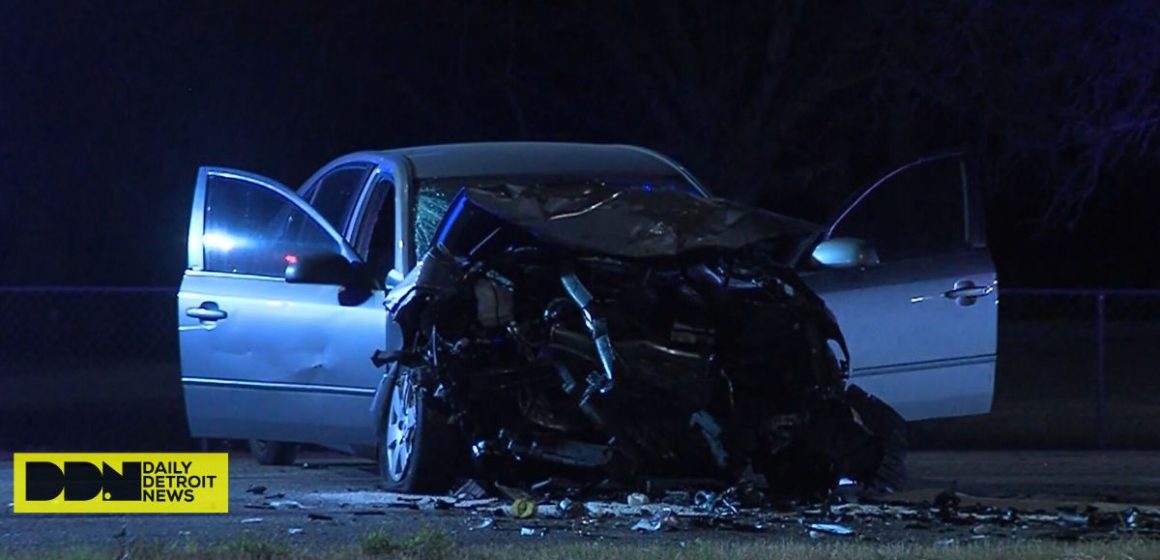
[
  {"x": 87, "y": 368},
  {"x": 1076, "y": 369},
  {"x": 90, "y": 368}
]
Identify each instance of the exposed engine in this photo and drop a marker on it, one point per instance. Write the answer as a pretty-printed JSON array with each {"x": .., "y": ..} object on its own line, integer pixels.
[{"x": 715, "y": 362}]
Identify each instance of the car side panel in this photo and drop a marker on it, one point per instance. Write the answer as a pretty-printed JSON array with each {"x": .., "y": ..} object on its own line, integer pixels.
[
  {"x": 265, "y": 359},
  {"x": 288, "y": 364},
  {"x": 923, "y": 353}
]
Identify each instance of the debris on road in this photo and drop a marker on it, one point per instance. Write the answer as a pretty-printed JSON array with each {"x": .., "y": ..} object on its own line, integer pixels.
[
  {"x": 473, "y": 504},
  {"x": 831, "y": 529},
  {"x": 948, "y": 501},
  {"x": 471, "y": 490},
  {"x": 569, "y": 508},
  {"x": 295, "y": 530},
  {"x": 1132, "y": 518},
  {"x": 285, "y": 504},
  {"x": 256, "y": 489},
  {"x": 249, "y": 520},
  {"x": 601, "y": 509},
  {"x": 319, "y": 517},
  {"x": 662, "y": 519},
  {"x": 705, "y": 500},
  {"x": 523, "y": 508}
]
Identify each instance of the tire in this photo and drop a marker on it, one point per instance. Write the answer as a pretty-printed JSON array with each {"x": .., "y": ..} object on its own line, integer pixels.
[
  {"x": 417, "y": 445},
  {"x": 891, "y": 430},
  {"x": 799, "y": 473},
  {"x": 273, "y": 452},
  {"x": 892, "y": 475},
  {"x": 857, "y": 436}
]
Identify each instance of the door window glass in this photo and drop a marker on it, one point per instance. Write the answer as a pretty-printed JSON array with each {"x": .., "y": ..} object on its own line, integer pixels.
[
  {"x": 250, "y": 229},
  {"x": 919, "y": 212},
  {"x": 335, "y": 194}
]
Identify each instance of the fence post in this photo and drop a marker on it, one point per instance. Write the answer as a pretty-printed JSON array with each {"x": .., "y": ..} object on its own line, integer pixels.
[{"x": 1101, "y": 383}]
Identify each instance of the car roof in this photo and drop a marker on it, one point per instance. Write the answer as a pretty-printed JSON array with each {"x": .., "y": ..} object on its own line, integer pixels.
[{"x": 482, "y": 159}]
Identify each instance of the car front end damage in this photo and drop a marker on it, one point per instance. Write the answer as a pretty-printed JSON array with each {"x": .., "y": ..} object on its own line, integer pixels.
[{"x": 624, "y": 334}]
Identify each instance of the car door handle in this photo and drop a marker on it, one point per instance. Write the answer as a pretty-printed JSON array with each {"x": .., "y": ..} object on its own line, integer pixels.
[
  {"x": 966, "y": 292},
  {"x": 969, "y": 291},
  {"x": 207, "y": 311}
]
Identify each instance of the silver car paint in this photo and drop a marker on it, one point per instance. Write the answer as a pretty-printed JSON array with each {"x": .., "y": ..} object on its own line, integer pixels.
[
  {"x": 292, "y": 364},
  {"x": 288, "y": 362},
  {"x": 913, "y": 342},
  {"x": 925, "y": 354}
]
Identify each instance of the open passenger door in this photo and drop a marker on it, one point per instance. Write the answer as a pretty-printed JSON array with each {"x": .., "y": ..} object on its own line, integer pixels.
[{"x": 906, "y": 270}]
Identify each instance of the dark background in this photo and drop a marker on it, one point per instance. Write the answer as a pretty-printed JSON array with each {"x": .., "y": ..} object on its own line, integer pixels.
[{"x": 108, "y": 108}]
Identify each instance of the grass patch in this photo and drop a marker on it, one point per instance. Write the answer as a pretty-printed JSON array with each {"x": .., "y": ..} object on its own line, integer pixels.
[
  {"x": 254, "y": 548},
  {"x": 439, "y": 545},
  {"x": 426, "y": 544}
]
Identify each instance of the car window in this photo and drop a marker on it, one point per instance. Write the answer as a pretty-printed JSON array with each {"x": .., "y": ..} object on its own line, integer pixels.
[
  {"x": 431, "y": 205},
  {"x": 335, "y": 194},
  {"x": 376, "y": 238},
  {"x": 250, "y": 229},
  {"x": 919, "y": 212}
]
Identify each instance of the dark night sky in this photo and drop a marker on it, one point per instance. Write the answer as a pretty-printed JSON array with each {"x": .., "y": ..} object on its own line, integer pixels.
[{"x": 108, "y": 108}]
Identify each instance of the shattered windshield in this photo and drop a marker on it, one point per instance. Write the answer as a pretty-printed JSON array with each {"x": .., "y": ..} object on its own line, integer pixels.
[{"x": 435, "y": 195}]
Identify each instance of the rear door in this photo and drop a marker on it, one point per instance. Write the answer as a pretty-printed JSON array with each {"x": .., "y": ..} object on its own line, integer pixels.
[
  {"x": 921, "y": 324},
  {"x": 262, "y": 358}
]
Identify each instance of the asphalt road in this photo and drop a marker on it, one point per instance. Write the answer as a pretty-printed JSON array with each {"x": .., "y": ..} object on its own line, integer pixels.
[{"x": 336, "y": 500}]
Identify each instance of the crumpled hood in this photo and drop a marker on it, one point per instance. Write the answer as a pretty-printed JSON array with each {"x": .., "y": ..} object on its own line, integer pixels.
[{"x": 629, "y": 223}]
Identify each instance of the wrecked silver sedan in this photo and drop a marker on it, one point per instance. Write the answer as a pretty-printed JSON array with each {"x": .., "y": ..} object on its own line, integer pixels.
[{"x": 579, "y": 309}]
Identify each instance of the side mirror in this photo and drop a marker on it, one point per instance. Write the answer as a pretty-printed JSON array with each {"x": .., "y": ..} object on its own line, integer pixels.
[
  {"x": 845, "y": 252},
  {"x": 324, "y": 268},
  {"x": 394, "y": 278}
]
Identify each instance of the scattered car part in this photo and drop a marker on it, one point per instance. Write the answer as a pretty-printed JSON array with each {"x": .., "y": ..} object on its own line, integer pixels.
[{"x": 831, "y": 529}]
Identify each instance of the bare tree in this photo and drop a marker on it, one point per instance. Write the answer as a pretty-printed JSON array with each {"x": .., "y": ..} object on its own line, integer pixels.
[
  {"x": 1068, "y": 90},
  {"x": 794, "y": 95}
]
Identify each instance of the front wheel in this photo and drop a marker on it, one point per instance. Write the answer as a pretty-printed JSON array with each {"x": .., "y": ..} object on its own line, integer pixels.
[{"x": 417, "y": 446}]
